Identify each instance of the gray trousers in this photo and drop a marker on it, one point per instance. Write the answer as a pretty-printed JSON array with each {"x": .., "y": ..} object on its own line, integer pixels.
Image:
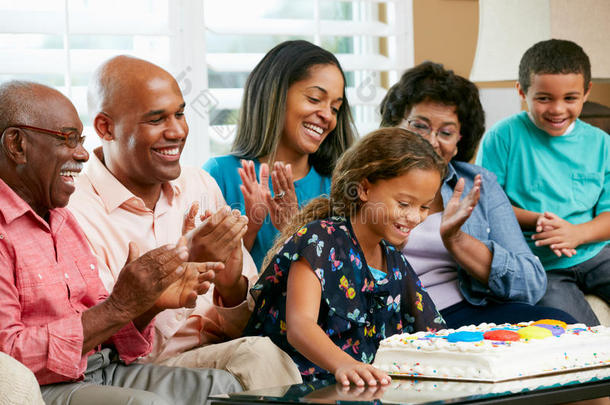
[
  {"x": 567, "y": 287},
  {"x": 108, "y": 381}
]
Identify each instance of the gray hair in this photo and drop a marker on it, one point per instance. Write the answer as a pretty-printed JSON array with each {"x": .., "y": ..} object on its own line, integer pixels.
[{"x": 14, "y": 105}]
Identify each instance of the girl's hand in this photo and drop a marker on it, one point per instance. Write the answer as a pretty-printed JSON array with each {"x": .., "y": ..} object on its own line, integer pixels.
[
  {"x": 283, "y": 205},
  {"x": 360, "y": 374},
  {"x": 457, "y": 211}
]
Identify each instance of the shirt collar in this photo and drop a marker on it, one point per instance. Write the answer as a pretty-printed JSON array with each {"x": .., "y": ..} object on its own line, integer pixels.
[
  {"x": 111, "y": 191},
  {"x": 451, "y": 177},
  {"x": 13, "y": 206}
]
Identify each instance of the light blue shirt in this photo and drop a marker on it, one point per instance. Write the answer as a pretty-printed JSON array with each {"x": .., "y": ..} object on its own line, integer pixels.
[
  {"x": 568, "y": 175},
  {"x": 516, "y": 274},
  {"x": 224, "y": 171}
]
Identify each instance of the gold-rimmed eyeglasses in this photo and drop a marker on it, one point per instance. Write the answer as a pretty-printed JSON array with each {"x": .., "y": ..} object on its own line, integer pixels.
[{"x": 445, "y": 134}]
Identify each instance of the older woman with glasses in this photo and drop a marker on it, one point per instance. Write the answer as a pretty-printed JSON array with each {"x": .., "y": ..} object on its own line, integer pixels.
[{"x": 469, "y": 253}]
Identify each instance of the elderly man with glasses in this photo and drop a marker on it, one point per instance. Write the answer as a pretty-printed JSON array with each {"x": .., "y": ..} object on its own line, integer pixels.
[{"x": 57, "y": 318}]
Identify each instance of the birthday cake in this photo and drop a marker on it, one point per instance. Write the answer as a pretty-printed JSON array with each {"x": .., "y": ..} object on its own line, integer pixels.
[{"x": 490, "y": 352}]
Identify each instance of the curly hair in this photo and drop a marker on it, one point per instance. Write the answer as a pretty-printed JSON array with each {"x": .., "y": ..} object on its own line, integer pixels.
[
  {"x": 430, "y": 81},
  {"x": 554, "y": 56},
  {"x": 262, "y": 112},
  {"x": 381, "y": 155}
]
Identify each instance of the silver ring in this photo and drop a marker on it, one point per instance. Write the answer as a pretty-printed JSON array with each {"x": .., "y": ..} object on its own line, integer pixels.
[{"x": 280, "y": 195}]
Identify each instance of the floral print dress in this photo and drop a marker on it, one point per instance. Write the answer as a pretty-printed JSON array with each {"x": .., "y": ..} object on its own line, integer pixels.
[{"x": 356, "y": 311}]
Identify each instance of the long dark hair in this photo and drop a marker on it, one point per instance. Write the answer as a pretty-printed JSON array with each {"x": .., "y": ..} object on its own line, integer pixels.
[
  {"x": 261, "y": 119},
  {"x": 381, "y": 155}
]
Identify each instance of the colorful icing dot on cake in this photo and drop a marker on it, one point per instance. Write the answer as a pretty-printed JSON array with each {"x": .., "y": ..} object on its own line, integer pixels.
[
  {"x": 534, "y": 332},
  {"x": 465, "y": 336},
  {"x": 554, "y": 322},
  {"x": 502, "y": 335}
]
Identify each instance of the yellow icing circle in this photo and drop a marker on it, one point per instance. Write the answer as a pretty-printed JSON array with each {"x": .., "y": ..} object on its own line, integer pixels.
[
  {"x": 551, "y": 322},
  {"x": 534, "y": 332}
]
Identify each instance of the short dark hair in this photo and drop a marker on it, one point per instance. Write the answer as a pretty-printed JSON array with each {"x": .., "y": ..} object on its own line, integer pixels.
[
  {"x": 554, "y": 56},
  {"x": 430, "y": 81},
  {"x": 262, "y": 113}
]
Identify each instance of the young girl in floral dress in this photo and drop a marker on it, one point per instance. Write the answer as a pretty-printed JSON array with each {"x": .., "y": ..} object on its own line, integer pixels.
[{"x": 335, "y": 284}]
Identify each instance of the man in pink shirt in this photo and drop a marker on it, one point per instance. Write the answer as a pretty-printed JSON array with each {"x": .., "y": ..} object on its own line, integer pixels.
[
  {"x": 56, "y": 314},
  {"x": 134, "y": 189}
]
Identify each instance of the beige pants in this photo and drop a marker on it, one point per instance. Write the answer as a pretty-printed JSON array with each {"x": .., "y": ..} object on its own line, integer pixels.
[
  {"x": 17, "y": 383},
  {"x": 255, "y": 361}
]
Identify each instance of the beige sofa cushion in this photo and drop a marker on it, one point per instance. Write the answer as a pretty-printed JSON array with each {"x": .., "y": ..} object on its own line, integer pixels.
[
  {"x": 601, "y": 309},
  {"x": 17, "y": 383}
]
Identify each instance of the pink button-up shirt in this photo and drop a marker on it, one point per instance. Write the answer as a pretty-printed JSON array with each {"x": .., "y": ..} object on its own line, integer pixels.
[
  {"x": 111, "y": 216},
  {"x": 48, "y": 278}
]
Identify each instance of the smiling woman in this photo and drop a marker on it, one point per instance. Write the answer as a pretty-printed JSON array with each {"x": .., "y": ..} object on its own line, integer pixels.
[{"x": 295, "y": 122}]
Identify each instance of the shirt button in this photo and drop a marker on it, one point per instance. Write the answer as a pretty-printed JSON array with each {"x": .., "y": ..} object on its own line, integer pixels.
[
  {"x": 488, "y": 230},
  {"x": 66, "y": 274},
  {"x": 39, "y": 276},
  {"x": 92, "y": 266},
  {"x": 371, "y": 310}
]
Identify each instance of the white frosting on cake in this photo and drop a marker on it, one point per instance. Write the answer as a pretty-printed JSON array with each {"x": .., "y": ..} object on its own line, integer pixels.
[{"x": 426, "y": 354}]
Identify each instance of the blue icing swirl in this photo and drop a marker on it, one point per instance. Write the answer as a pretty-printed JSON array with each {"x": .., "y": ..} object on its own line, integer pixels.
[{"x": 465, "y": 336}]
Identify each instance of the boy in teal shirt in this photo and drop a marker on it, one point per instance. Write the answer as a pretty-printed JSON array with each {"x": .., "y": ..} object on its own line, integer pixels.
[{"x": 555, "y": 169}]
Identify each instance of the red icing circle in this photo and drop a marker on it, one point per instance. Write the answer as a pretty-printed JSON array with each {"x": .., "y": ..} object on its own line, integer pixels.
[{"x": 502, "y": 335}]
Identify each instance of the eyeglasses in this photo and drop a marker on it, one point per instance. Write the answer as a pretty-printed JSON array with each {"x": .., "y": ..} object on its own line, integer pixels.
[
  {"x": 71, "y": 138},
  {"x": 444, "y": 135}
]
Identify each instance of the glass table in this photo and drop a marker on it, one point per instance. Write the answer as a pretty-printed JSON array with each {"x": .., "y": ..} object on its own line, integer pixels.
[{"x": 550, "y": 389}]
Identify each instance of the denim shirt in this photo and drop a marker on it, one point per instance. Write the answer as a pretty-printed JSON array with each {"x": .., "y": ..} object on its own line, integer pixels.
[{"x": 517, "y": 275}]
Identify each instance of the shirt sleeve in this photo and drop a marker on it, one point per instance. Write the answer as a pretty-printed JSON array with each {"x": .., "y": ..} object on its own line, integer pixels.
[
  {"x": 131, "y": 344},
  {"x": 493, "y": 152},
  {"x": 516, "y": 275},
  {"x": 51, "y": 351}
]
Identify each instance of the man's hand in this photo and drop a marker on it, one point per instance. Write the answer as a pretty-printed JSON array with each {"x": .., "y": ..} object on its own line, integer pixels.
[
  {"x": 217, "y": 236},
  {"x": 189, "y": 218},
  {"x": 229, "y": 283},
  {"x": 558, "y": 234},
  {"x": 142, "y": 281},
  {"x": 184, "y": 291},
  {"x": 457, "y": 211}
]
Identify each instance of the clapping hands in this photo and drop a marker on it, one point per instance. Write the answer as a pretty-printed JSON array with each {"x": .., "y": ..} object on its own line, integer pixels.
[
  {"x": 558, "y": 234},
  {"x": 257, "y": 195}
]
